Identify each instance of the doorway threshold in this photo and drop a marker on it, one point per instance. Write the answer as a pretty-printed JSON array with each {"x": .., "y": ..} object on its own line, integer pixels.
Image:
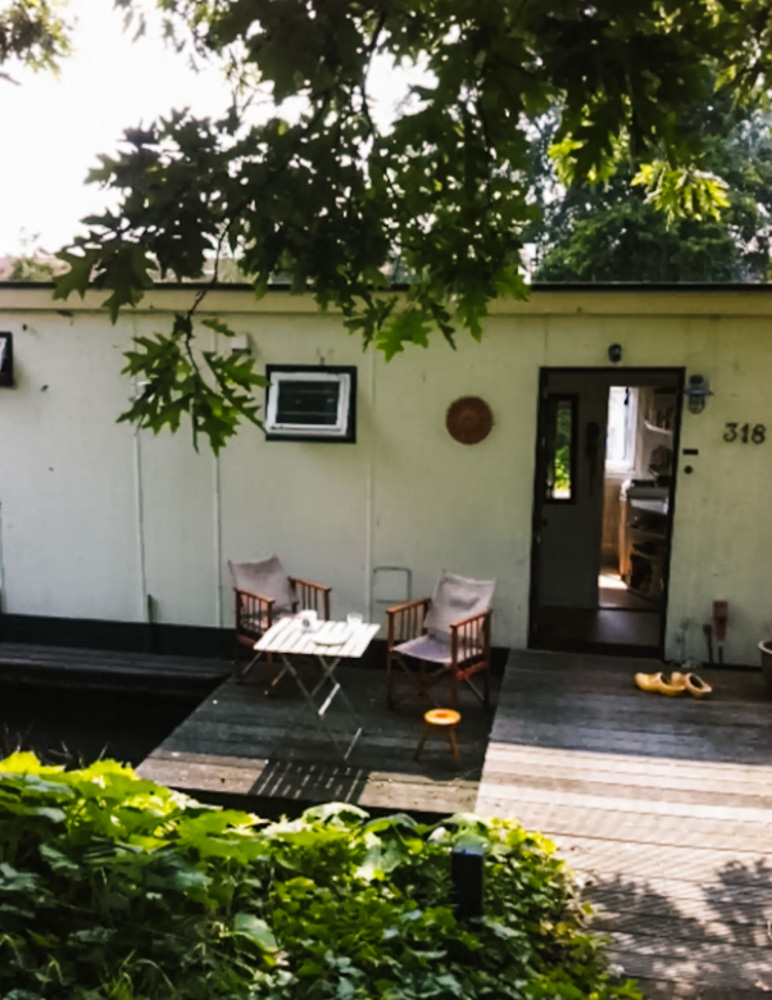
[
  {"x": 567, "y": 645},
  {"x": 618, "y": 632}
]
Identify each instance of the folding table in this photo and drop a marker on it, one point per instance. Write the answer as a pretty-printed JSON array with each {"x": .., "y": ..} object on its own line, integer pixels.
[{"x": 329, "y": 643}]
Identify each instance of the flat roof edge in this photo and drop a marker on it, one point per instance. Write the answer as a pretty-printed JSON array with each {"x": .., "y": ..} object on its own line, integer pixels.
[
  {"x": 537, "y": 286},
  {"x": 544, "y": 299}
]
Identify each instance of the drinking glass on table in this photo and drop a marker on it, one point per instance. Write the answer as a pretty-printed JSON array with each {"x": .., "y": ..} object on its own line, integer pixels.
[
  {"x": 354, "y": 619},
  {"x": 309, "y": 620}
]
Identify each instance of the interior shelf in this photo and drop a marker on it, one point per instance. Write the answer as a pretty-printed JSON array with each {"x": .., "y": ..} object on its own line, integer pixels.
[
  {"x": 646, "y": 533},
  {"x": 652, "y": 557},
  {"x": 665, "y": 435}
]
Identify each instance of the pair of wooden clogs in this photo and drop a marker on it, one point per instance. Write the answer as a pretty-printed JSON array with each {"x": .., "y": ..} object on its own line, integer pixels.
[{"x": 674, "y": 684}]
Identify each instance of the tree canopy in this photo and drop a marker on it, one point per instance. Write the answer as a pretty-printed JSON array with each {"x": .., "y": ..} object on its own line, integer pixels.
[
  {"x": 33, "y": 33},
  {"x": 611, "y": 231},
  {"x": 328, "y": 190}
]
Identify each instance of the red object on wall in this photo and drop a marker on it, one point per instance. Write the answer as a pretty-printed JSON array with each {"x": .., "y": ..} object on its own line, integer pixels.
[{"x": 720, "y": 619}]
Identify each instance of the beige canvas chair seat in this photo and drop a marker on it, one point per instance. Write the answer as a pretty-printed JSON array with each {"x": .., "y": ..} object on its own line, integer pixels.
[
  {"x": 433, "y": 649},
  {"x": 264, "y": 593},
  {"x": 446, "y": 635}
]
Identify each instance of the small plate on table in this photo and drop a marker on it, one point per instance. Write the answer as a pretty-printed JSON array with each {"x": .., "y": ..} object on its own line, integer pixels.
[{"x": 330, "y": 640}]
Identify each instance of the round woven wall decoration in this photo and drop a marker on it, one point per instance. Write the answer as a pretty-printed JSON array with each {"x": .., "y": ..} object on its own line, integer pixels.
[{"x": 469, "y": 419}]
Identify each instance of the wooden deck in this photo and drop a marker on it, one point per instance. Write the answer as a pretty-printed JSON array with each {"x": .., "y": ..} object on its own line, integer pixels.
[
  {"x": 22, "y": 663},
  {"x": 264, "y": 753},
  {"x": 662, "y": 806}
]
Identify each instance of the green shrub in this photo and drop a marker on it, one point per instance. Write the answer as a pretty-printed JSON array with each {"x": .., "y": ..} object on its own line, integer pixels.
[{"x": 114, "y": 888}]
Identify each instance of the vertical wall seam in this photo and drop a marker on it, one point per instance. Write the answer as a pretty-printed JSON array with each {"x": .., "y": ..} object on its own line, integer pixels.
[
  {"x": 144, "y": 610},
  {"x": 218, "y": 542},
  {"x": 370, "y": 498},
  {"x": 3, "y": 595},
  {"x": 218, "y": 608},
  {"x": 140, "y": 526}
]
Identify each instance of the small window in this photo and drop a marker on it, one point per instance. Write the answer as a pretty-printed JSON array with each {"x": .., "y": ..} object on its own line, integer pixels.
[
  {"x": 6, "y": 359},
  {"x": 310, "y": 403},
  {"x": 561, "y": 448}
]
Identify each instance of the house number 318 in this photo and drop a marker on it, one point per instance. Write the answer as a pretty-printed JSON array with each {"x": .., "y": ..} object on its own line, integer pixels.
[{"x": 745, "y": 433}]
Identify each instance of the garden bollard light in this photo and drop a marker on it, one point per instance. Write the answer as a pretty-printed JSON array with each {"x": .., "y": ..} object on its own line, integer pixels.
[{"x": 466, "y": 871}]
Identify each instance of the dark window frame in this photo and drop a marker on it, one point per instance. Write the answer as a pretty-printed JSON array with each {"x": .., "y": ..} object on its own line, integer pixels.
[
  {"x": 318, "y": 434},
  {"x": 6, "y": 369}
]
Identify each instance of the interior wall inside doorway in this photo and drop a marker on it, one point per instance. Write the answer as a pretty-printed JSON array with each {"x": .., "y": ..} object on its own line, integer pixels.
[{"x": 639, "y": 445}]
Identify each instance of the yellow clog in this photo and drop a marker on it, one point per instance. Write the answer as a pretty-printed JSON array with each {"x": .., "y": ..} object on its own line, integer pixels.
[
  {"x": 696, "y": 686},
  {"x": 672, "y": 684},
  {"x": 647, "y": 682},
  {"x": 667, "y": 684}
]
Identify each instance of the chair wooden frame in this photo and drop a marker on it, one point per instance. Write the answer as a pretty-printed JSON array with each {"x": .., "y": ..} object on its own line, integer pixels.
[
  {"x": 469, "y": 647},
  {"x": 255, "y": 615}
]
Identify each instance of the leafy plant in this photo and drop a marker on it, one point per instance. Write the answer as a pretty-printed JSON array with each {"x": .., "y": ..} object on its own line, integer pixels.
[
  {"x": 330, "y": 188},
  {"x": 114, "y": 888}
]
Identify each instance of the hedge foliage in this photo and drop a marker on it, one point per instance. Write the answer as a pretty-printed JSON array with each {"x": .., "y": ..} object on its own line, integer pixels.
[{"x": 115, "y": 888}]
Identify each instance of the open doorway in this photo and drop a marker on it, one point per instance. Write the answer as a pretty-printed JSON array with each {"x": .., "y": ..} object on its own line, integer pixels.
[{"x": 603, "y": 509}]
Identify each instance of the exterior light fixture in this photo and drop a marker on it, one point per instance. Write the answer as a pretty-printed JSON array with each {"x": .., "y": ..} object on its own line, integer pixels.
[
  {"x": 240, "y": 344},
  {"x": 697, "y": 392},
  {"x": 615, "y": 353}
]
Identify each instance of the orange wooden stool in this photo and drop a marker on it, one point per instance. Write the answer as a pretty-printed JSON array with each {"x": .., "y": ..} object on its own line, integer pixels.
[{"x": 440, "y": 718}]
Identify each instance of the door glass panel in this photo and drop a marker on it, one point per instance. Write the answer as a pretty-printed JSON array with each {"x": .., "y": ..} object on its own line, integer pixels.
[{"x": 561, "y": 448}]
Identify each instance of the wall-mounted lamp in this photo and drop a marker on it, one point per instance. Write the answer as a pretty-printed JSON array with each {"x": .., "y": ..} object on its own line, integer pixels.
[
  {"x": 615, "y": 354},
  {"x": 697, "y": 392},
  {"x": 240, "y": 344},
  {"x": 6, "y": 359}
]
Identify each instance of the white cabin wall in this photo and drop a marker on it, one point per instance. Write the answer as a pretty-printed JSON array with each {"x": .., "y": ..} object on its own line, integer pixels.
[
  {"x": 178, "y": 501},
  {"x": 404, "y": 494},
  {"x": 67, "y": 485},
  {"x": 723, "y": 545},
  {"x": 305, "y": 501},
  {"x": 445, "y": 505}
]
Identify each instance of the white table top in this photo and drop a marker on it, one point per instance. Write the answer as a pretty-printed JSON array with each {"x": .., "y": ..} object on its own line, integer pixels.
[{"x": 330, "y": 639}]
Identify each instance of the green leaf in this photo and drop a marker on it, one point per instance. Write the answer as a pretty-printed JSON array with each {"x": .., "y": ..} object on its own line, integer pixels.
[
  {"x": 342, "y": 812},
  {"x": 218, "y": 326},
  {"x": 94, "y": 935},
  {"x": 189, "y": 880},
  {"x": 58, "y": 861},
  {"x": 683, "y": 193},
  {"x": 345, "y": 990},
  {"x": 256, "y": 930},
  {"x": 12, "y": 880}
]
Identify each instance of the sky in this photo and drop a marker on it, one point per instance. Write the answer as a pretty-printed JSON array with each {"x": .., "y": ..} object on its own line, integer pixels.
[{"x": 53, "y": 128}]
